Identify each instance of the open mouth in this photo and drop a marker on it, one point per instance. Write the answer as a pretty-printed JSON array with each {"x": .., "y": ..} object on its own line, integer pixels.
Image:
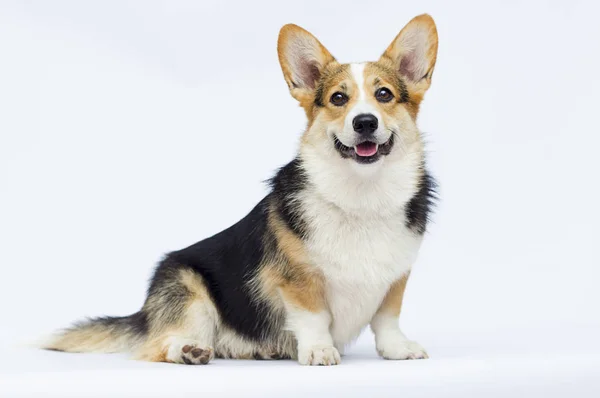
[{"x": 364, "y": 152}]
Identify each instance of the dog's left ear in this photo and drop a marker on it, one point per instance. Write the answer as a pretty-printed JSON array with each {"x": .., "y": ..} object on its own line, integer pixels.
[
  {"x": 302, "y": 58},
  {"x": 413, "y": 52}
]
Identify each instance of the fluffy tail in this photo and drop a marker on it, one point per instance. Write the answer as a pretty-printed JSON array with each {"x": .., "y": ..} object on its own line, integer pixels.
[{"x": 106, "y": 334}]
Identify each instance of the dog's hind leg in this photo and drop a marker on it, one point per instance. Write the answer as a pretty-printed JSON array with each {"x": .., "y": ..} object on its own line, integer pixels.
[
  {"x": 182, "y": 318},
  {"x": 189, "y": 342}
]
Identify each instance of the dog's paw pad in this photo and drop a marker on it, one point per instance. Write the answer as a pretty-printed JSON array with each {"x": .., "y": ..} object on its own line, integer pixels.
[{"x": 191, "y": 355}]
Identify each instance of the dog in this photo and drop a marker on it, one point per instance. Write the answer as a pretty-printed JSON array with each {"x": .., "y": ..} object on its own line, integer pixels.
[{"x": 330, "y": 248}]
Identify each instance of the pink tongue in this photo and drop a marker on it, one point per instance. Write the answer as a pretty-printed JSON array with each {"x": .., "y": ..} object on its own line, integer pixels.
[{"x": 366, "y": 149}]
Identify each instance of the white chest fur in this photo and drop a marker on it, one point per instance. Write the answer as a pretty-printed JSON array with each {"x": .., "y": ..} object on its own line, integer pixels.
[
  {"x": 360, "y": 258},
  {"x": 357, "y": 233}
]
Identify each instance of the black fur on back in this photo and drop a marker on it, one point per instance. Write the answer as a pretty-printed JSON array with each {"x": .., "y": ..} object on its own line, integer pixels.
[
  {"x": 286, "y": 184},
  {"x": 227, "y": 262},
  {"x": 419, "y": 208}
]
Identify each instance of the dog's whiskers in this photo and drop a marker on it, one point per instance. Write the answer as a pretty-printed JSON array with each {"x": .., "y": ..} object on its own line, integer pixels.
[{"x": 399, "y": 137}]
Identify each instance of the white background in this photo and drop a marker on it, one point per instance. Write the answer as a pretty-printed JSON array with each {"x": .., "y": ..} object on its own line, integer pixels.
[{"x": 129, "y": 129}]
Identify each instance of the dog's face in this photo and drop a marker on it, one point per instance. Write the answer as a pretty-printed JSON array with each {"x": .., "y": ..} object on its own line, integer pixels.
[{"x": 362, "y": 113}]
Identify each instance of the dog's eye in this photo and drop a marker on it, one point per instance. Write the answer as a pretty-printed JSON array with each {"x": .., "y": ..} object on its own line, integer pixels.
[
  {"x": 384, "y": 95},
  {"x": 339, "y": 99}
]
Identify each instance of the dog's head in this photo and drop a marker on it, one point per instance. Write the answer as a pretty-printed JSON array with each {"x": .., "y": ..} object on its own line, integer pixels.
[{"x": 362, "y": 113}]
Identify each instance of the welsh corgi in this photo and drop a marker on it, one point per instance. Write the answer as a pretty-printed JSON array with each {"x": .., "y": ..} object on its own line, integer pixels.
[{"x": 328, "y": 251}]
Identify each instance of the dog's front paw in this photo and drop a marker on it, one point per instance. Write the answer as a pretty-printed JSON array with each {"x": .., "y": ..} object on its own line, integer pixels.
[
  {"x": 401, "y": 349},
  {"x": 319, "y": 355}
]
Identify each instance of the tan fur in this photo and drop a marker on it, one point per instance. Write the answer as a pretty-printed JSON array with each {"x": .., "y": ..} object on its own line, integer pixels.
[
  {"x": 288, "y": 36},
  {"x": 336, "y": 77},
  {"x": 156, "y": 346},
  {"x": 195, "y": 285},
  {"x": 288, "y": 243},
  {"x": 392, "y": 303},
  {"x": 305, "y": 291},
  {"x": 95, "y": 338},
  {"x": 153, "y": 350},
  {"x": 297, "y": 282},
  {"x": 382, "y": 74},
  {"x": 401, "y": 45}
]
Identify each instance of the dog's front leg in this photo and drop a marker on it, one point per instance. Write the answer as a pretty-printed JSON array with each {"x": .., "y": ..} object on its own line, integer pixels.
[
  {"x": 308, "y": 318},
  {"x": 390, "y": 341}
]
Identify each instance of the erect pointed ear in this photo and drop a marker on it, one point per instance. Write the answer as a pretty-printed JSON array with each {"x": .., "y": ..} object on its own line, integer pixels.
[
  {"x": 413, "y": 52},
  {"x": 302, "y": 58}
]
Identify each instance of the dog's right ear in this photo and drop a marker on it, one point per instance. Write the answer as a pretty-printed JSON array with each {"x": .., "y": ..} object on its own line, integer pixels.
[{"x": 302, "y": 58}]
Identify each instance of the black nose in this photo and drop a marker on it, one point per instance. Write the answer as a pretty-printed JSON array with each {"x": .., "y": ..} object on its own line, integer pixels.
[{"x": 365, "y": 123}]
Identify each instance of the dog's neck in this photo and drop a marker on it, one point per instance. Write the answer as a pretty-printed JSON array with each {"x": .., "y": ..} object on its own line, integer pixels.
[{"x": 374, "y": 190}]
